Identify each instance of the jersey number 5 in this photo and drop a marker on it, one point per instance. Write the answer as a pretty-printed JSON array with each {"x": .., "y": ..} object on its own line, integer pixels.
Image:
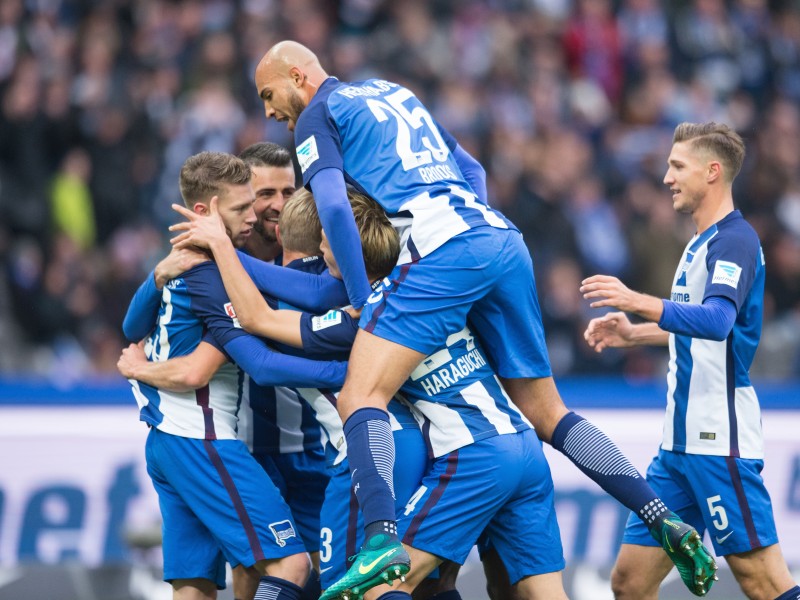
[
  {"x": 717, "y": 512},
  {"x": 406, "y": 121}
]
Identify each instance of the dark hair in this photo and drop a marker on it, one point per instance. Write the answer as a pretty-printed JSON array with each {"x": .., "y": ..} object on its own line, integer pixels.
[
  {"x": 266, "y": 154},
  {"x": 203, "y": 175},
  {"x": 717, "y": 139}
]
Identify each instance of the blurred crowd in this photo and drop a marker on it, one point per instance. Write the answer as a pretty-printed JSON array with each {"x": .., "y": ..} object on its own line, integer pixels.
[{"x": 570, "y": 105}]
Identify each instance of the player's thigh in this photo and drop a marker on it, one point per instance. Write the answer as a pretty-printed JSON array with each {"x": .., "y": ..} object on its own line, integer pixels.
[
  {"x": 732, "y": 499},
  {"x": 525, "y": 531},
  {"x": 547, "y": 586},
  {"x": 761, "y": 573},
  {"x": 376, "y": 370},
  {"x": 508, "y": 318}
]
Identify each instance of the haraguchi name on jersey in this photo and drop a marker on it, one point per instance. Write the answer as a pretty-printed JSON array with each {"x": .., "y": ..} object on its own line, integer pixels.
[
  {"x": 436, "y": 173},
  {"x": 376, "y": 89},
  {"x": 450, "y": 374}
]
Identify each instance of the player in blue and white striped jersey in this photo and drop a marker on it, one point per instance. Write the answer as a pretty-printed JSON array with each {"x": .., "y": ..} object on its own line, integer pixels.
[
  {"x": 712, "y": 452},
  {"x": 459, "y": 259},
  {"x": 217, "y": 503}
]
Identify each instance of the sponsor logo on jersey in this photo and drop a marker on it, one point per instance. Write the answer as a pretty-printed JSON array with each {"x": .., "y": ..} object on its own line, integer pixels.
[
  {"x": 329, "y": 319},
  {"x": 727, "y": 273},
  {"x": 680, "y": 297},
  {"x": 282, "y": 530},
  {"x": 307, "y": 153},
  {"x": 232, "y": 314}
]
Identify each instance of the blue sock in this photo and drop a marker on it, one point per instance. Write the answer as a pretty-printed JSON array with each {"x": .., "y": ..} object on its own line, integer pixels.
[
  {"x": 395, "y": 595},
  {"x": 600, "y": 460},
  {"x": 448, "y": 595},
  {"x": 311, "y": 590},
  {"x": 792, "y": 594},
  {"x": 274, "y": 588},
  {"x": 370, "y": 451}
]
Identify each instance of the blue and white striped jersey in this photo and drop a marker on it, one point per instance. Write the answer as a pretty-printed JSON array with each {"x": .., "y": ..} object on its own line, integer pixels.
[
  {"x": 277, "y": 420},
  {"x": 389, "y": 147},
  {"x": 192, "y": 304},
  {"x": 458, "y": 399},
  {"x": 712, "y": 407},
  {"x": 324, "y": 404}
]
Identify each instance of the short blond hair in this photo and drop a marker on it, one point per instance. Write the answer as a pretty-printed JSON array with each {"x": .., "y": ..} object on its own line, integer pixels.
[
  {"x": 299, "y": 224},
  {"x": 717, "y": 139},
  {"x": 301, "y": 230},
  {"x": 204, "y": 176}
]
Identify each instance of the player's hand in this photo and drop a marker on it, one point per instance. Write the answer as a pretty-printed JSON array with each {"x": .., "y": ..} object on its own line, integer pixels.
[
  {"x": 198, "y": 230},
  {"x": 610, "y": 291},
  {"x": 131, "y": 356},
  {"x": 353, "y": 312},
  {"x": 178, "y": 261},
  {"x": 613, "y": 330}
]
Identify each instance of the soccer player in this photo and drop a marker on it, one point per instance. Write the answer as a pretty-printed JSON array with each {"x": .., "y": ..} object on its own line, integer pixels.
[
  {"x": 459, "y": 258},
  {"x": 216, "y": 502},
  {"x": 278, "y": 427},
  {"x": 711, "y": 456}
]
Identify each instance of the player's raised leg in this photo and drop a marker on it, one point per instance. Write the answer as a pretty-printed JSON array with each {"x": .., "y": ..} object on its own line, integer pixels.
[{"x": 377, "y": 369}]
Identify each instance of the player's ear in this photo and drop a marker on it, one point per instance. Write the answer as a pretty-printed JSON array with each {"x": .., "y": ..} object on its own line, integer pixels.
[
  {"x": 297, "y": 76},
  {"x": 714, "y": 171},
  {"x": 200, "y": 208}
]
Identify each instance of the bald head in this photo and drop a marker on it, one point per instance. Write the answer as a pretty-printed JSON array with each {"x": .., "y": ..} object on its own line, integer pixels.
[{"x": 287, "y": 77}]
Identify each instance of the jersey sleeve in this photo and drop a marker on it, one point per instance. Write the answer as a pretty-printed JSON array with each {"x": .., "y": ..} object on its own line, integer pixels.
[
  {"x": 307, "y": 291},
  {"x": 331, "y": 334},
  {"x": 731, "y": 263},
  {"x": 142, "y": 311},
  {"x": 211, "y": 304},
  {"x": 317, "y": 140}
]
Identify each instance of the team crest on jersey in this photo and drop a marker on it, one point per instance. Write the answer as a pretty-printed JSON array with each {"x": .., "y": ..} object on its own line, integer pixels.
[
  {"x": 307, "y": 153},
  {"x": 232, "y": 314},
  {"x": 727, "y": 273},
  {"x": 329, "y": 319},
  {"x": 282, "y": 530}
]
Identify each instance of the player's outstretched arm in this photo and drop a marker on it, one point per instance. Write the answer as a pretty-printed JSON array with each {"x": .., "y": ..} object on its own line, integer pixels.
[
  {"x": 181, "y": 374},
  {"x": 268, "y": 367}
]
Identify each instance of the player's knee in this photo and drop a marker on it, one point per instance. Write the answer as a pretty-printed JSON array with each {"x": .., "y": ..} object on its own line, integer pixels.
[
  {"x": 294, "y": 568},
  {"x": 625, "y": 583}
]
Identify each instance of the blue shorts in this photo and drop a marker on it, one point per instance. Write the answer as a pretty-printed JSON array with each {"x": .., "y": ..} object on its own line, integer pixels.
[
  {"x": 483, "y": 274},
  {"x": 301, "y": 478},
  {"x": 341, "y": 522},
  {"x": 217, "y": 505},
  {"x": 500, "y": 486},
  {"x": 723, "y": 494}
]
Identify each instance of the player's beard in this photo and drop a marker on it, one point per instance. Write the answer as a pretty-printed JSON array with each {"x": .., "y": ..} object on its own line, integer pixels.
[
  {"x": 266, "y": 233},
  {"x": 296, "y": 105}
]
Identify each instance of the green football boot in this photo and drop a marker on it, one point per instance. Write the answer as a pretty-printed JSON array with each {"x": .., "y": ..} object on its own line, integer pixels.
[
  {"x": 382, "y": 559},
  {"x": 684, "y": 547}
]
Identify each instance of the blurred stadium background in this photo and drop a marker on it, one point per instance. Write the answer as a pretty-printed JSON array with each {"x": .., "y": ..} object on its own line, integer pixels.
[{"x": 570, "y": 105}]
